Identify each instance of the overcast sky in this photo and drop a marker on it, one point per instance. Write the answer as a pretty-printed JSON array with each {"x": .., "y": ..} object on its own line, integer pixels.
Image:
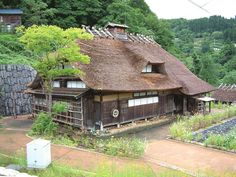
[{"x": 169, "y": 9}]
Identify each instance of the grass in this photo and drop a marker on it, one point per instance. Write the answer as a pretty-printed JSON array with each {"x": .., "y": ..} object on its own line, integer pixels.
[
  {"x": 102, "y": 170},
  {"x": 130, "y": 170},
  {"x": 123, "y": 147},
  {"x": 183, "y": 128},
  {"x": 225, "y": 141},
  {"x": 54, "y": 170}
]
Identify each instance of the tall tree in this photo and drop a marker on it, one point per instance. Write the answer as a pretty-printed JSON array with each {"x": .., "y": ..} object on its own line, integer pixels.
[
  {"x": 196, "y": 64},
  {"x": 208, "y": 70},
  {"x": 230, "y": 77},
  {"x": 36, "y": 12},
  {"x": 55, "y": 48}
]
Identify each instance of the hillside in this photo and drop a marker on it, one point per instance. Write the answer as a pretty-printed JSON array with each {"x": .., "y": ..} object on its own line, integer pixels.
[
  {"x": 207, "y": 47},
  {"x": 12, "y": 52}
]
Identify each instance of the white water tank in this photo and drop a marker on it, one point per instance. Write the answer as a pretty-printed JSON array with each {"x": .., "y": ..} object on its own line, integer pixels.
[{"x": 38, "y": 153}]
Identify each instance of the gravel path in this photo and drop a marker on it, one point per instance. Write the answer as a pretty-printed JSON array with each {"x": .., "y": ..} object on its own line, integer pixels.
[{"x": 218, "y": 129}]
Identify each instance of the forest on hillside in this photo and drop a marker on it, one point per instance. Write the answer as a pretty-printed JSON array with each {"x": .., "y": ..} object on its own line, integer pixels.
[{"x": 205, "y": 45}]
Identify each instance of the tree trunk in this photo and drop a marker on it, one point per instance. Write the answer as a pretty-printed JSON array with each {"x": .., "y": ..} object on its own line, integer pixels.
[{"x": 50, "y": 102}]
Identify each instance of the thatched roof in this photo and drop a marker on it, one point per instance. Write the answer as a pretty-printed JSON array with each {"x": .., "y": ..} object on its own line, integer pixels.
[
  {"x": 225, "y": 93},
  {"x": 116, "y": 65}
]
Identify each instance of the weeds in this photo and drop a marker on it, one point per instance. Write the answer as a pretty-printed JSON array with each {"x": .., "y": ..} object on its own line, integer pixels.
[
  {"x": 43, "y": 125},
  {"x": 184, "y": 127},
  {"x": 124, "y": 147},
  {"x": 64, "y": 140},
  {"x": 227, "y": 141}
]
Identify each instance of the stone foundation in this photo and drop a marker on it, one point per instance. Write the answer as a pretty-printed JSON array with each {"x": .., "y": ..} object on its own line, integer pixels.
[{"x": 13, "y": 82}]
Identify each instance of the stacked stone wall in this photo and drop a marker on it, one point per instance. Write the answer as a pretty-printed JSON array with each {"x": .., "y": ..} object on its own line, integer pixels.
[{"x": 13, "y": 83}]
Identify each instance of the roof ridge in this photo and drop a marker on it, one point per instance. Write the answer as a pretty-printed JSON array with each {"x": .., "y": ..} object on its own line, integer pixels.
[
  {"x": 104, "y": 33},
  {"x": 227, "y": 87}
]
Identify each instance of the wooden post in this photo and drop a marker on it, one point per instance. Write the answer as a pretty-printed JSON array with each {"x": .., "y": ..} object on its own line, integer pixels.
[
  {"x": 204, "y": 108},
  {"x": 82, "y": 118},
  {"x": 184, "y": 105},
  {"x": 210, "y": 107},
  {"x": 101, "y": 111},
  {"x": 14, "y": 105}
]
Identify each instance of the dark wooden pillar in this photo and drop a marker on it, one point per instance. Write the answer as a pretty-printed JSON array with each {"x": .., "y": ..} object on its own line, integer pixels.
[
  {"x": 101, "y": 111},
  {"x": 184, "y": 105},
  {"x": 210, "y": 107}
]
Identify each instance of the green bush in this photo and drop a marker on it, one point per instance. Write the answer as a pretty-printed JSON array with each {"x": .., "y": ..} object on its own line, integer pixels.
[
  {"x": 125, "y": 147},
  {"x": 60, "y": 107},
  {"x": 183, "y": 128},
  {"x": 43, "y": 125},
  {"x": 181, "y": 131},
  {"x": 227, "y": 141},
  {"x": 64, "y": 140}
]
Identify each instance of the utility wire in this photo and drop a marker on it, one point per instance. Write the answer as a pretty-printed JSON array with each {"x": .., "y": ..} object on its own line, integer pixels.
[
  {"x": 206, "y": 3},
  {"x": 199, "y": 6}
]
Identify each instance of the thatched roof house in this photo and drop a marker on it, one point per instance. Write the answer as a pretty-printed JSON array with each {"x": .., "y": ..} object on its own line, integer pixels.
[
  {"x": 132, "y": 75},
  {"x": 225, "y": 93}
]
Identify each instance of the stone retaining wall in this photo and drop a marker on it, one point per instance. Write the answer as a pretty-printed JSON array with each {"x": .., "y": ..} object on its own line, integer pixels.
[{"x": 13, "y": 81}]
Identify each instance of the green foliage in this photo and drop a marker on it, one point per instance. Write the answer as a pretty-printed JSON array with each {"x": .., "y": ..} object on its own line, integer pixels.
[
  {"x": 230, "y": 77},
  {"x": 65, "y": 14},
  {"x": 226, "y": 141},
  {"x": 183, "y": 128},
  {"x": 36, "y": 12},
  {"x": 181, "y": 131},
  {"x": 17, "y": 158},
  {"x": 12, "y": 51},
  {"x": 102, "y": 170},
  {"x": 130, "y": 170},
  {"x": 52, "y": 171},
  {"x": 43, "y": 126},
  {"x": 206, "y": 46},
  {"x": 124, "y": 147},
  {"x": 64, "y": 140},
  {"x": 208, "y": 70},
  {"x": 54, "y": 47},
  {"x": 60, "y": 107}
]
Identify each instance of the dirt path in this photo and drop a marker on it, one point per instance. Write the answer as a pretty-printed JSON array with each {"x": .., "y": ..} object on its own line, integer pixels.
[
  {"x": 160, "y": 153},
  {"x": 152, "y": 134},
  {"x": 190, "y": 157},
  {"x": 13, "y": 140}
]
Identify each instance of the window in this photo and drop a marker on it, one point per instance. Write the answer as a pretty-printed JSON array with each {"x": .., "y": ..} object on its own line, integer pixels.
[
  {"x": 9, "y": 28},
  {"x": 56, "y": 84},
  {"x": 142, "y": 94},
  {"x": 142, "y": 101},
  {"x": 147, "y": 69},
  {"x": 75, "y": 84}
]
